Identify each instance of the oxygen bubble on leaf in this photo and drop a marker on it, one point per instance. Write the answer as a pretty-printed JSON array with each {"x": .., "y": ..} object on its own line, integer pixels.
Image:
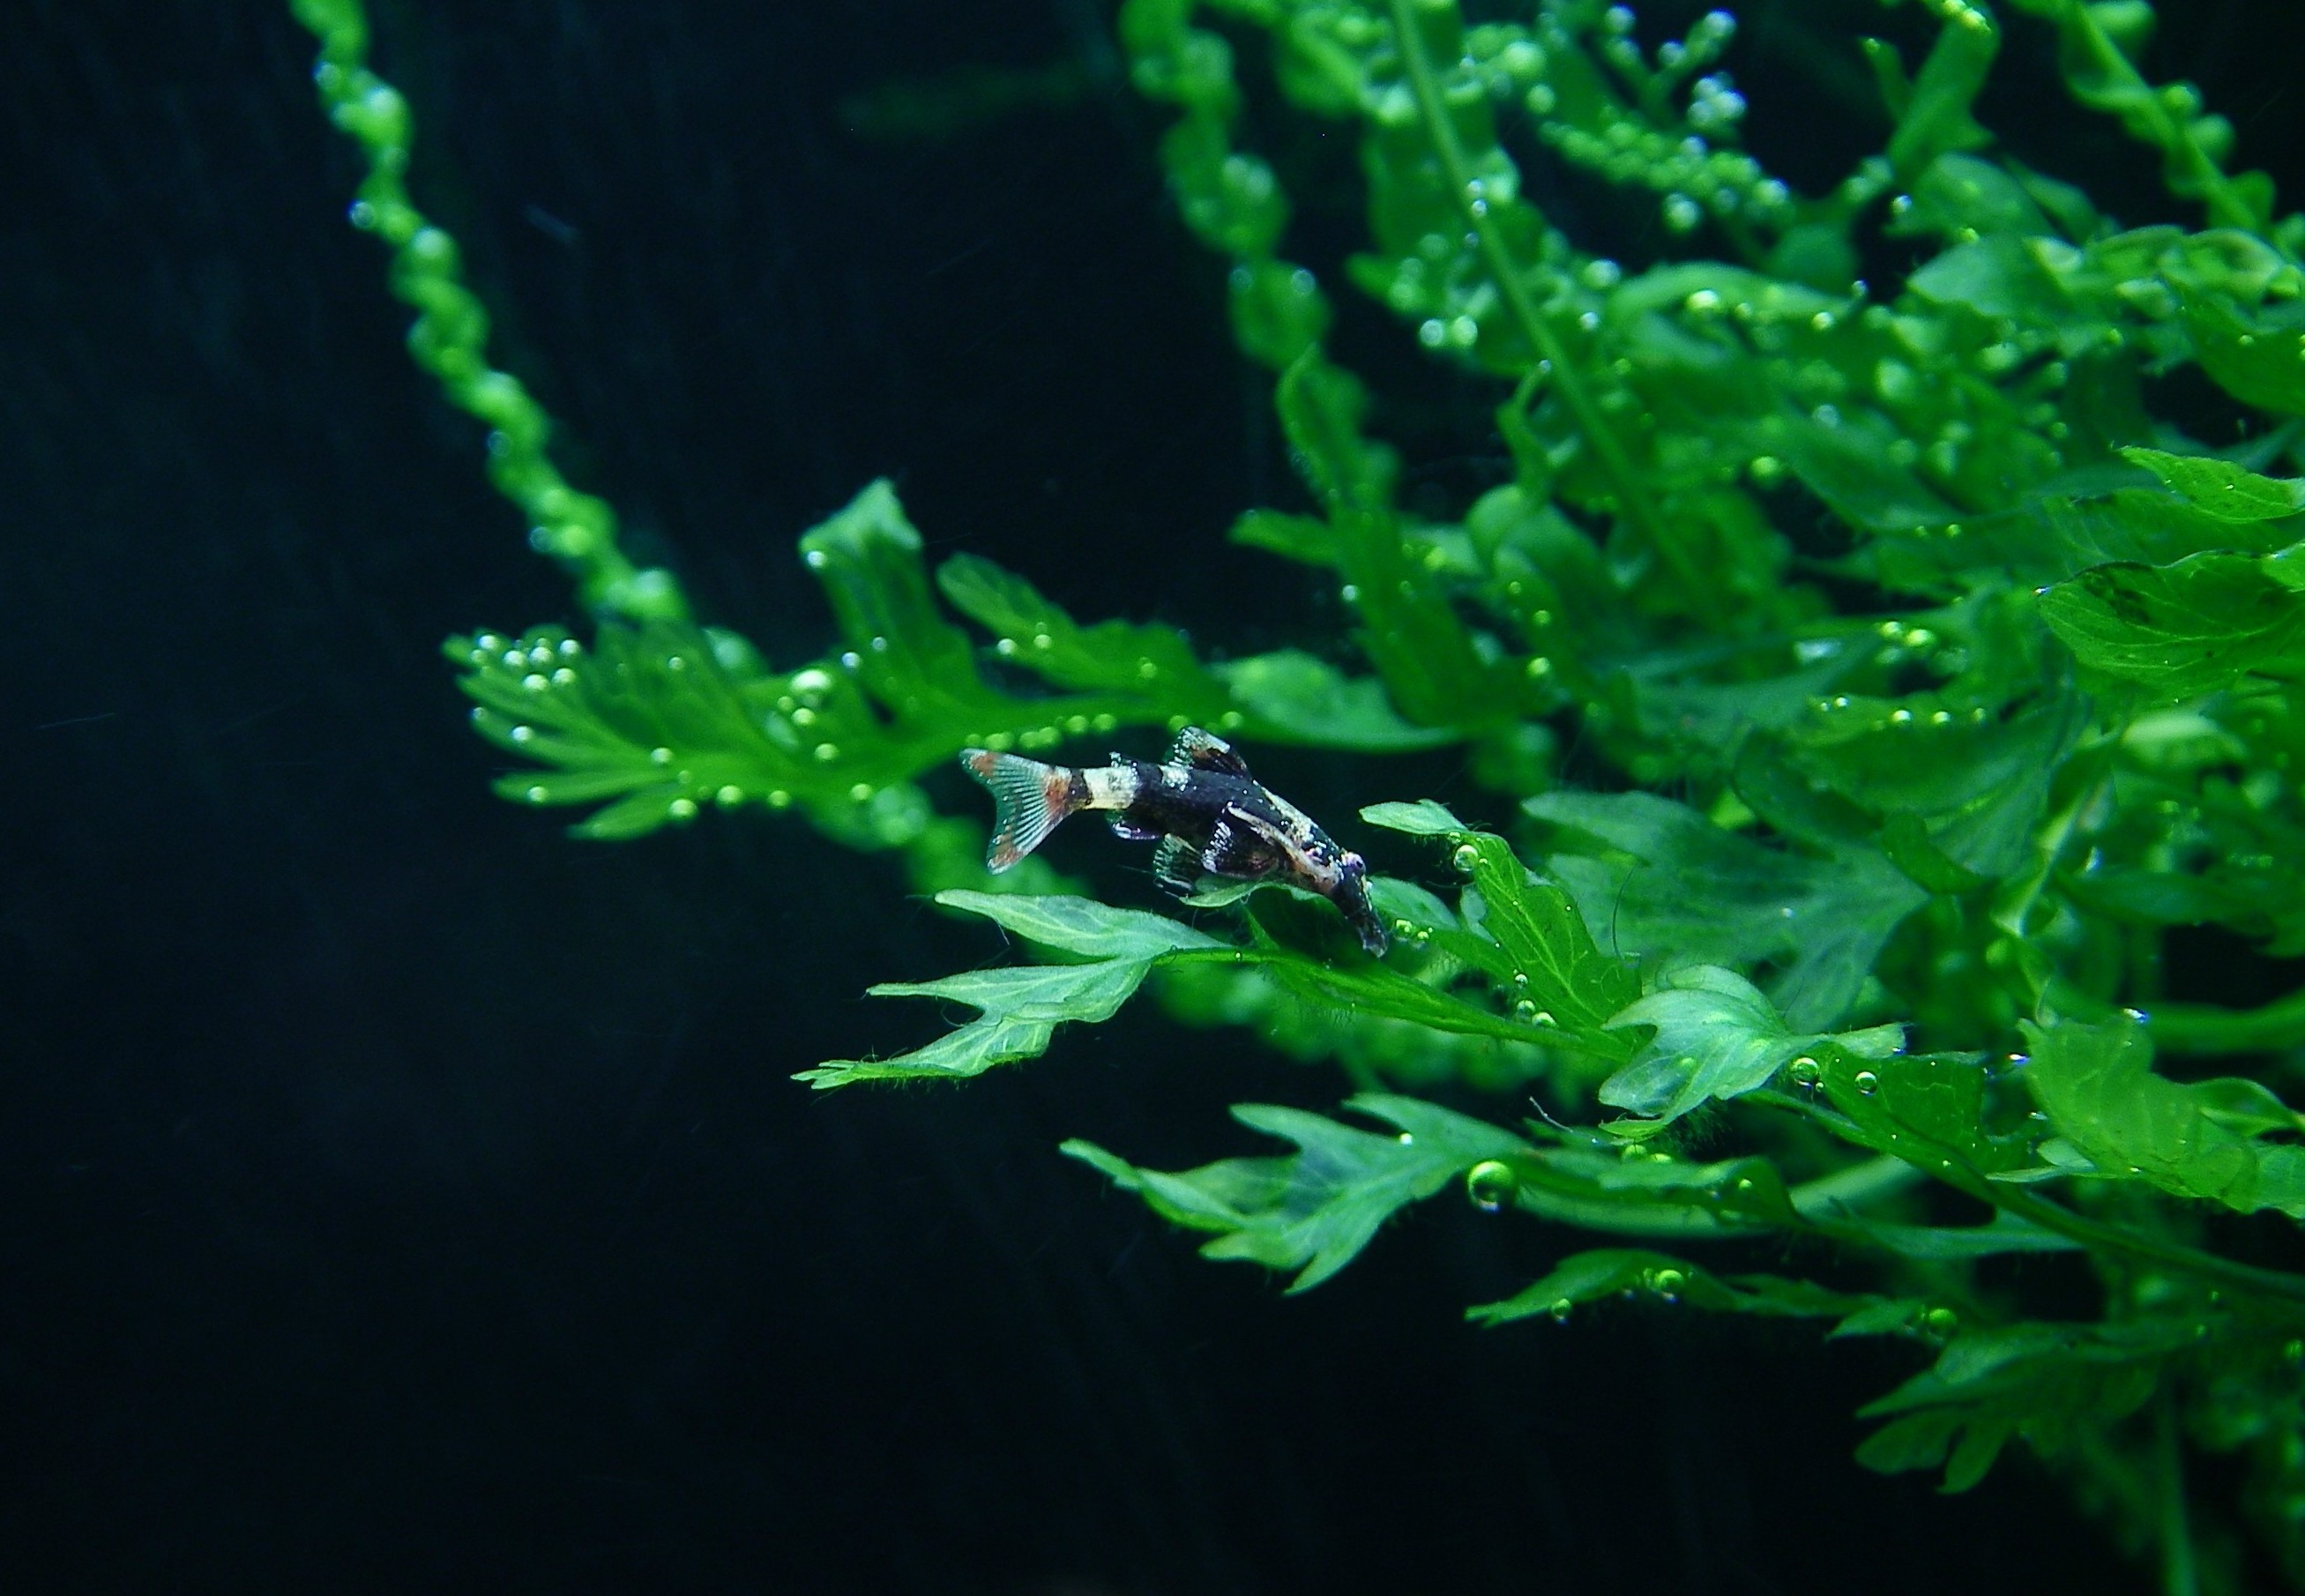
[
  {"x": 1867, "y": 1082},
  {"x": 1805, "y": 1072},
  {"x": 1490, "y": 1184},
  {"x": 1466, "y": 858},
  {"x": 1560, "y": 1310}
]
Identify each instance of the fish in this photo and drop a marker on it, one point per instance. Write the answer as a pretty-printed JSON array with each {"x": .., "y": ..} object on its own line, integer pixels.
[{"x": 1206, "y": 815}]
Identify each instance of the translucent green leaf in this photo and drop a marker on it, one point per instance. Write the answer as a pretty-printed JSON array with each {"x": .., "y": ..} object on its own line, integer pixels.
[
  {"x": 1538, "y": 926},
  {"x": 1321, "y": 406},
  {"x": 970, "y": 1051},
  {"x": 1023, "y": 1004},
  {"x": 2222, "y": 489},
  {"x": 1689, "y": 890},
  {"x": 1303, "y": 538},
  {"x": 1112, "y": 655},
  {"x": 1976, "y": 783},
  {"x": 2196, "y": 627},
  {"x": 1591, "y": 1180},
  {"x": 1995, "y": 276},
  {"x": 1313, "y": 1210},
  {"x": 1305, "y": 946},
  {"x": 1297, "y": 697},
  {"x": 2096, "y": 1084},
  {"x": 1606, "y": 1273},
  {"x": 2005, "y": 1233},
  {"x": 1423, "y": 818},
  {"x": 1960, "y": 191},
  {"x": 1050, "y": 993},
  {"x": 1937, "y": 117},
  {"x": 1716, "y": 1036},
  {"x": 1926, "y": 1108},
  {"x": 868, "y": 558},
  {"x": 2256, "y": 355},
  {"x": 2043, "y": 1381},
  {"x": 1082, "y": 925}
]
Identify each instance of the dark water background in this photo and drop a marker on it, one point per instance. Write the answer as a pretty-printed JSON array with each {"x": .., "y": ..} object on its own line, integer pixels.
[{"x": 397, "y": 1196}]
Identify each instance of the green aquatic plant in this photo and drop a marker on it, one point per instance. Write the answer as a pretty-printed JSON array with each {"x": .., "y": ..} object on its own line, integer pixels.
[{"x": 1933, "y": 684}]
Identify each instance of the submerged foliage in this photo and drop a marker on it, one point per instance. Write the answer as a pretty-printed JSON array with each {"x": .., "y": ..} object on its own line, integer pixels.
[{"x": 1930, "y": 671}]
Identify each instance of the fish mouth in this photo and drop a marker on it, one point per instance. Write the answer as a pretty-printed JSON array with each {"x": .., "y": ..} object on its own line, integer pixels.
[{"x": 1350, "y": 894}]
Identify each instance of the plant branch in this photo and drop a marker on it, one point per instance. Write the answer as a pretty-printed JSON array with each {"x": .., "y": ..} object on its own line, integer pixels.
[{"x": 1632, "y": 495}]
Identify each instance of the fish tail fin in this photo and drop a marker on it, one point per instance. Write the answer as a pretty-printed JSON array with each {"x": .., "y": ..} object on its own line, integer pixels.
[{"x": 1028, "y": 800}]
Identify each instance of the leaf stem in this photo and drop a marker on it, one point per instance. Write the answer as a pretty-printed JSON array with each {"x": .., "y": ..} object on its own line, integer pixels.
[
  {"x": 2178, "y": 1577},
  {"x": 1632, "y": 495},
  {"x": 2204, "y": 1028},
  {"x": 2133, "y": 95},
  {"x": 2175, "y": 1255},
  {"x": 2093, "y": 1233}
]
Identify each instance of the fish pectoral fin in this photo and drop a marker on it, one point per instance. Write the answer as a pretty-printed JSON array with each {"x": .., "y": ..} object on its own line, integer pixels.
[
  {"x": 1177, "y": 866},
  {"x": 1127, "y": 830},
  {"x": 1243, "y": 846},
  {"x": 1206, "y": 751}
]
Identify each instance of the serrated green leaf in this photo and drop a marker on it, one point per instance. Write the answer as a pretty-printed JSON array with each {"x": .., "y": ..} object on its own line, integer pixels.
[
  {"x": 1935, "y": 117},
  {"x": 1606, "y": 1273},
  {"x": 1294, "y": 696},
  {"x": 2256, "y": 355},
  {"x": 1082, "y": 925},
  {"x": 1694, "y": 892},
  {"x": 2096, "y": 1084},
  {"x": 2222, "y": 489},
  {"x": 1423, "y": 818},
  {"x": 970, "y": 1051},
  {"x": 2004, "y": 1233},
  {"x": 1538, "y": 926},
  {"x": 2196, "y": 627},
  {"x": 1313, "y": 1210},
  {"x": 1926, "y": 1108},
  {"x": 868, "y": 558},
  {"x": 1716, "y": 1036},
  {"x": 1045, "y": 992},
  {"x": 1112, "y": 655},
  {"x": 2044, "y": 1382}
]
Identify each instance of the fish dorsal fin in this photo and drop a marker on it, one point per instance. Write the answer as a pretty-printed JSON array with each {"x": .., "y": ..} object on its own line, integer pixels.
[{"x": 1206, "y": 751}]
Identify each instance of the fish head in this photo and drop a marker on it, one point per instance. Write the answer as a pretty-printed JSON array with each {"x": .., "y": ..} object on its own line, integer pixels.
[{"x": 1348, "y": 890}]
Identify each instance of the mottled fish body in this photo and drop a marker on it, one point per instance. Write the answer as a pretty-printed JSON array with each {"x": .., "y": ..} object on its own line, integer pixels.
[{"x": 1207, "y": 814}]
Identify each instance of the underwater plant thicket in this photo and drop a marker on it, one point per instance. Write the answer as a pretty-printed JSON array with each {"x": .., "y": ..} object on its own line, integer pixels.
[{"x": 1927, "y": 670}]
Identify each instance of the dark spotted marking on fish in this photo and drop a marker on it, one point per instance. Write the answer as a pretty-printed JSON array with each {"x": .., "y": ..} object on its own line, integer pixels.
[{"x": 1207, "y": 814}]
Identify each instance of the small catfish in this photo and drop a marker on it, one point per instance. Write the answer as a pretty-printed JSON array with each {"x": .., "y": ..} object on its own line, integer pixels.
[{"x": 1208, "y": 814}]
